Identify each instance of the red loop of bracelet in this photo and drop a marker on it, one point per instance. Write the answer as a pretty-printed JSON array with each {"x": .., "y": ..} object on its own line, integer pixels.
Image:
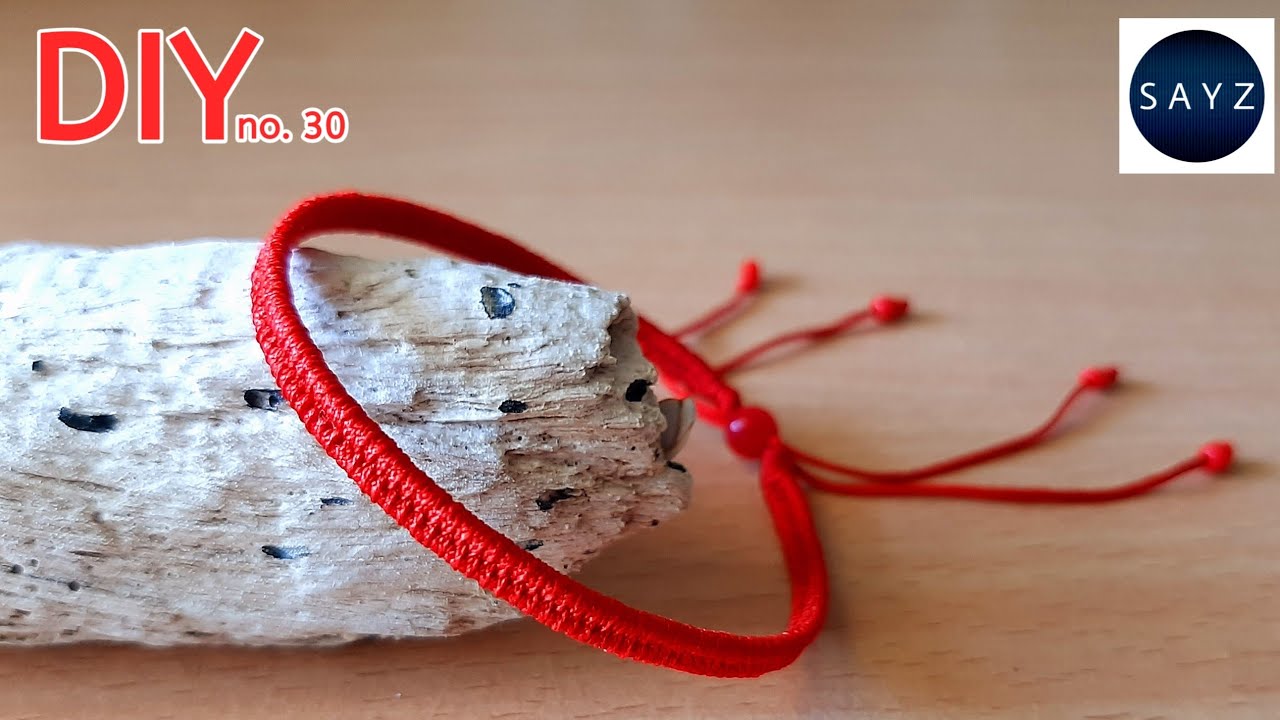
[{"x": 389, "y": 477}]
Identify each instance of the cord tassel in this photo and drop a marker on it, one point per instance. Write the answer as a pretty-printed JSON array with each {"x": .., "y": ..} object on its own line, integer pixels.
[{"x": 749, "y": 430}]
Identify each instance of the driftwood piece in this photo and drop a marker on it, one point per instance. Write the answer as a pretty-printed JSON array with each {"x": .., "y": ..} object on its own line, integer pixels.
[{"x": 155, "y": 488}]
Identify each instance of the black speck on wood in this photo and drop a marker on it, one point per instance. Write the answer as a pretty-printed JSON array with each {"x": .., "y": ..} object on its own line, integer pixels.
[
  {"x": 334, "y": 501},
  {"x": 263, "y": 398},
  {"x": 677, "y": 466},
  {"x": 636, "y": 390},
  {"x": 497, "y": 302},
  {"x": 87, "y": 423},
  {"x": 15, "y": 569},
  {"x": 73, "y": 586},
  {"x": 285, "y": 553},
  {"x": 531, "y": 545},
  {"x": 513, "y": 406},
  {"x": 514, "y": 285},
  {"x": 548, "y": 499},
  {"x": 37, "y": 366}
]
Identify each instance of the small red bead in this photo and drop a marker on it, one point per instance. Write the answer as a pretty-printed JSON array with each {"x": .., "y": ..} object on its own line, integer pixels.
[
  {"x": 1099, "y": 378},
  {"x": 748, "y": 276},
  {"x": 887, "y": 309},
  {"x": 1217, "y": 456},
  {"x": 749, "y": 432}
]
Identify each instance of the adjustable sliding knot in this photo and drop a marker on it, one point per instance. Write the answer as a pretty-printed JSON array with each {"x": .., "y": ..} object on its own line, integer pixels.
[{"x": 1217, "y": 457}]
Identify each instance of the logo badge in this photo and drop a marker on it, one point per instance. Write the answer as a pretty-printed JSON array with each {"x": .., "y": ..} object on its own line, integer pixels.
[{"x": 1196, "y": 95}]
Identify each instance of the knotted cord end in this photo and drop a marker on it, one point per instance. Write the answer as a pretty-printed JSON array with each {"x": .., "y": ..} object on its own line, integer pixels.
[
  {"x": 889, "y": 309},
  {"x": 748, "y": 277},
  {"x": 1101, "y": 377},
  {"x": 1217, "y": 457}
]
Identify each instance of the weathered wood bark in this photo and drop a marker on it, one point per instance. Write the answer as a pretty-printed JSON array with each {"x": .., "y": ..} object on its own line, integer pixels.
[{"x": 154, "y": 488}]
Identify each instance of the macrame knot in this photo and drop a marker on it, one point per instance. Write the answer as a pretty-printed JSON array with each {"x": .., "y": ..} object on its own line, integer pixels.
[{"x": 717, "y": 404}]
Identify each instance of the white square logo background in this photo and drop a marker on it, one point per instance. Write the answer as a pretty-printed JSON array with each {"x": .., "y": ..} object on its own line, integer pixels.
[{"x": 1255, "y": 35}]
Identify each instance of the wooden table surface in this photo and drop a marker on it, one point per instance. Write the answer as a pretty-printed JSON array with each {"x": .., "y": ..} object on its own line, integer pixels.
[{"x": 963, "y": 154}]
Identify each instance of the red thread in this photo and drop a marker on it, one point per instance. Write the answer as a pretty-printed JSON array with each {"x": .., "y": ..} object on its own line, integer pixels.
[
  {"x": 1017, "y": 494},
  {"x": 748, "y": 287},
  {"x": 1091, "y": 380},
  {"x": 388, "y": 476},
  {"x": 883, "y": 310}
]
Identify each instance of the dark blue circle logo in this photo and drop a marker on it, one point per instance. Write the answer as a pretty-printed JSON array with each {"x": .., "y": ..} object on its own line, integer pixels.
[{"x": 1197, "y": 96}]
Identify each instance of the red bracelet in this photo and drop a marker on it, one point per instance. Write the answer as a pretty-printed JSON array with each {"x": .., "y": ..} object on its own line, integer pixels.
[{"x": 388, "y": 476}]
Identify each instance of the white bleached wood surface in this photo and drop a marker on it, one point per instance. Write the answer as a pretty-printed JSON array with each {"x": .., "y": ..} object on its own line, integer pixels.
[{"x": 179, "y": 512}]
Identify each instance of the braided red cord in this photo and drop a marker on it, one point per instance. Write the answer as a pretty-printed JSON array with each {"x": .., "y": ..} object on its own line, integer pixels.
[{"x": 388, "y": 476}]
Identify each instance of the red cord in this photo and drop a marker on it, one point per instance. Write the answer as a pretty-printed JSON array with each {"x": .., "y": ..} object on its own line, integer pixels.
[
  {"x": 388, "y": 476},
  {"x": 1214, "y": 457},
  {"x": 1094, "y": 379},
  {"x": 883, "y": 310},
  {"x": 748, "y": 287}
]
